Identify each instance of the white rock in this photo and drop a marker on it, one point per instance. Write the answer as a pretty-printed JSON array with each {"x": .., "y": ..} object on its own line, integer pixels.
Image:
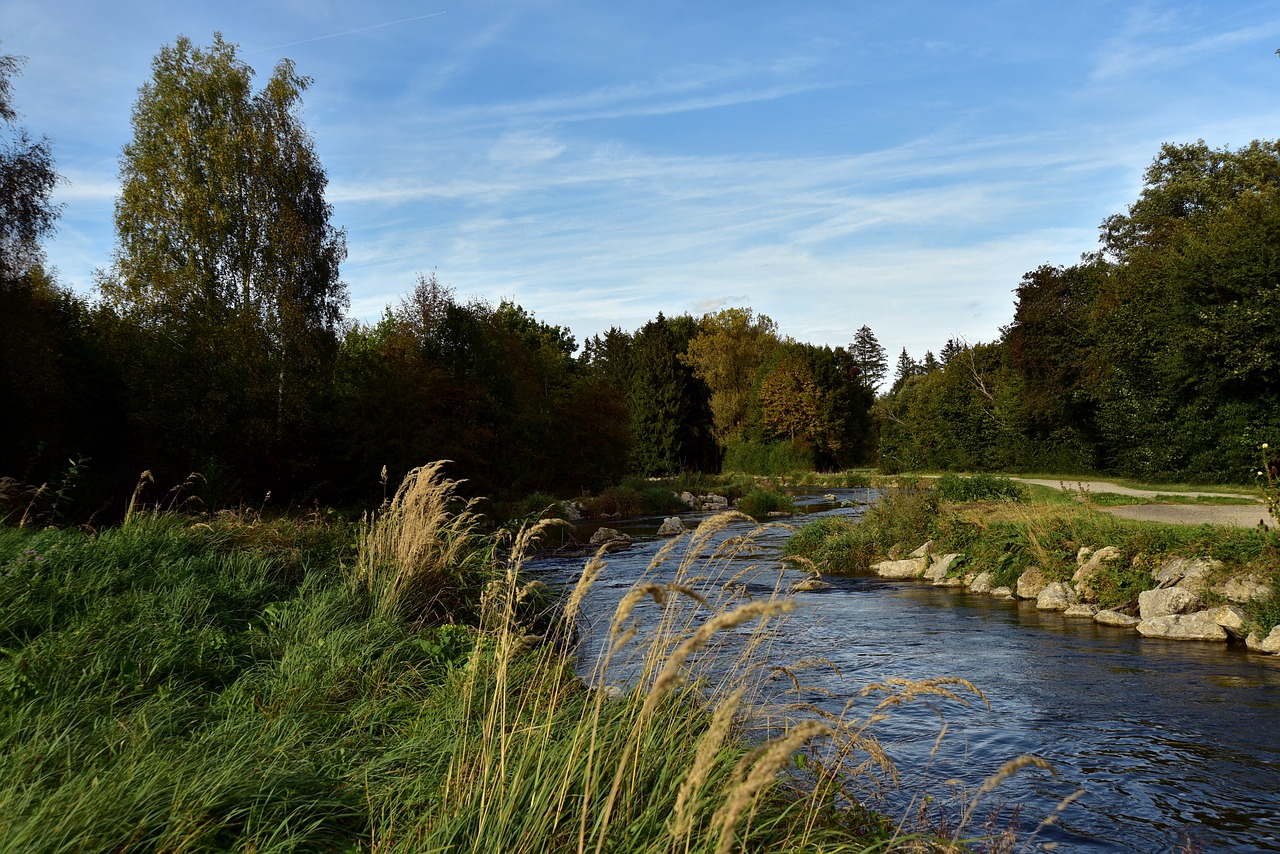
[
  {"x": 691, "y": 501},
  {"x": 949, "y": 581},
  {"x": 1001, "y": 592},
  {"x": 1172, "y": 600},
  {"x": 1081, "y": 609},
  {"x": 1197, "y": 626},
  {"x": 711, "y": 501},
  {"x": 1106, "y": 554},
  {"x": 573, "y": 510},
  {"x": 1031, "y": 582},
  {"x": 1115, "y": 618},
  {"x": 1198, "y": 574},
  {"x": 1270, "y": 644},
  {"x": 913, "y": 567},
  {"x": 940, "y": 567},
  {"x": 1055, "y": 596},
  {"x": 924, "y": 550},
  {"x": 981, "y": 583},
  {"x": 1243, "y": 589},
  {"x": 1232, "y": 619},
  {"x": 1185, "y": 572},
  {"x": 672, "y": 526},
  {"x": 1083, "y": 576},
  {"x": 611, "y": 537}
]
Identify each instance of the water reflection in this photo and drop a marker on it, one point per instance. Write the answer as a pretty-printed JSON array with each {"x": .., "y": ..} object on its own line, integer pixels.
[{"x": 1172, "y": 743}]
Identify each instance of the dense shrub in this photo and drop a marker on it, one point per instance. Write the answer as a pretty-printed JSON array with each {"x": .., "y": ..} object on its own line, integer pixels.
[
  {"x": 767, "y": 458},
  {"x": 979, "y": 487}
]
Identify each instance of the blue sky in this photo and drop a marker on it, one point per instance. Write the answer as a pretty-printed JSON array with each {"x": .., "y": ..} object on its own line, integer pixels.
[{"x": 830, "y": 164}]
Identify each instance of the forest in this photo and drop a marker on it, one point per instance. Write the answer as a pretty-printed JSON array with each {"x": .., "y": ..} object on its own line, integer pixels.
[{"x": 217, "y": 343}]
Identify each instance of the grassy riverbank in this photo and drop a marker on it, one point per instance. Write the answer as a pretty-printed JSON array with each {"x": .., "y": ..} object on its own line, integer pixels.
[
  {"x": 181, "y": 684},
  {"x": 1004, "y": 527}
]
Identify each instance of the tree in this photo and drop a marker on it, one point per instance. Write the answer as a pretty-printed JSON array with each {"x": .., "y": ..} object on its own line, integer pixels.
[
  {"x": 730, "y": 348},
  {"x": 27, "y": 179},
  {"x": 906, "y": 369},
  {"x": 225, "y": 250},
  {"x": 870, "y": 358}
]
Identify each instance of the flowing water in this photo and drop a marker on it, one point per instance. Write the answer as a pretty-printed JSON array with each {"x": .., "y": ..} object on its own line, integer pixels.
[{"x": 1175, "y": 745}]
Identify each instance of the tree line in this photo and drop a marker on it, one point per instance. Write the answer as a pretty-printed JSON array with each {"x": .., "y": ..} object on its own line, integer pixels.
[
  {"x": 218, "y": 341},
  {"x": 1156, "y": 356}
]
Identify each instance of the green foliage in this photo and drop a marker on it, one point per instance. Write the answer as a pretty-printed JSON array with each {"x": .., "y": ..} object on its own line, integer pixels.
[
  {"x": 27, "y": 181},
  {"x": 729, "y": 349},
  {"x": 759, "y": 503},
  {"x": 767, "y": 458},
  {"x": 979, "y": 487}
]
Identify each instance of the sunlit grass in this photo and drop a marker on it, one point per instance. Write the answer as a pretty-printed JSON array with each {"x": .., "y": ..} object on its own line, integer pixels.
[{"x": 230, "y": 683}]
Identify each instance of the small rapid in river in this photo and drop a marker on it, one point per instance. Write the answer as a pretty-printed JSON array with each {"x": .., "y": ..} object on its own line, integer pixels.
[{"x": 1176, "y": 745}]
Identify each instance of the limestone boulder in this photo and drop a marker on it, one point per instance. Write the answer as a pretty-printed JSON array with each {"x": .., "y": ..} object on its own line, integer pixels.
[
  {"x": 672, "y": 526},
  {"x": 1269, "y": 645},
  {"x": 1031, "y": 583},
  {"x": 1189, "y": 573},
  {"x": 1243, "y": 589},
  {"x": 611, "y": 538},
  {"x": 690, "y": 500},
  {"x": 912, "y": 567},
  {"x": 1197, "y": 626},
  {"x": 940, "y": 567},
  {"x": 1232, "y": 619},
  {"x": 1199, "y": 575},
  {"x": 949, "y": 581},
  {"x": 1094, "y": 561},
  {"x": 1115, "y": 618},
  {"x": 1056, "y": 596},
  {"x": 924, "y": 550},
  {"x": 981, "y": 583},
  {"x": 711, "y": 501},
  {"x": 1162, "y": 603},
  {"x": 1081, "y": 609},
  {"x": 1002, "y": 593}
]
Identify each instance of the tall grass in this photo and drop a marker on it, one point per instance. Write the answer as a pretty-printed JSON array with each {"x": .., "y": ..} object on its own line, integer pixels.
[{"x": 273, "y": 686}]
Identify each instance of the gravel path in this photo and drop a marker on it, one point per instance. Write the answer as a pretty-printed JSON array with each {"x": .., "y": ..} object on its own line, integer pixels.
[{"x": 1237, "y": 515}]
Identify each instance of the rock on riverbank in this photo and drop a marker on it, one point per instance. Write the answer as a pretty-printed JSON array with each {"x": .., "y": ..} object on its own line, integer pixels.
[{"x": 1176, "y": 609}]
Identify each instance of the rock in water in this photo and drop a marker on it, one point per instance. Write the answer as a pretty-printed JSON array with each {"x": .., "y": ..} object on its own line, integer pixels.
[
  {"x": 672, "y": 526},
  {"x": 1197, "y": 626}
]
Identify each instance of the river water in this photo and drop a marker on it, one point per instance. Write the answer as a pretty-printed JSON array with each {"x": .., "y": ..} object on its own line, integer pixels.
[{"x": 1172, "y": 746}]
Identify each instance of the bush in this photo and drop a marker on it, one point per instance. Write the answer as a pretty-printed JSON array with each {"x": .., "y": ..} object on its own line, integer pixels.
[
  {"x": 767, "y": 458},
  {"x": 979, "y": 487},
  {"x": 759, "y": 503}
]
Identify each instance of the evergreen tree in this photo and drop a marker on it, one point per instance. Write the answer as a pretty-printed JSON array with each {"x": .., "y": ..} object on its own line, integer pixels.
[{"x": 870, "y": 358}]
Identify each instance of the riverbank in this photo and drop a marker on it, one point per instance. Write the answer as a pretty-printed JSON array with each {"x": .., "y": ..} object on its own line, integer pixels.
[
  {"x": 1204, "y": 582},
  {"x": 228, "y": 682}
]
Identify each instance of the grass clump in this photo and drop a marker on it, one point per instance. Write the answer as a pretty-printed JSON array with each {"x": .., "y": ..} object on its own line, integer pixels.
[{"x": 760, "y": 502}]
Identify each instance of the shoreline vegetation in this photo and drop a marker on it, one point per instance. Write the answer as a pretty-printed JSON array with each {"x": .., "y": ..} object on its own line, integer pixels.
[
  {"x": 994, "y": 535},
  {"x": 191, "y": 683}
]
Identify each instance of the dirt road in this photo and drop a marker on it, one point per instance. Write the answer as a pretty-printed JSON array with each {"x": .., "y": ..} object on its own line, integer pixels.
[{"x": 1237, "y": 515}]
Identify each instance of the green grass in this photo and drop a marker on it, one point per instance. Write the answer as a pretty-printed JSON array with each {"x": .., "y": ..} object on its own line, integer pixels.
[
  {"x": 235, "y": 684},
  {"x": 760, "y": 502}
]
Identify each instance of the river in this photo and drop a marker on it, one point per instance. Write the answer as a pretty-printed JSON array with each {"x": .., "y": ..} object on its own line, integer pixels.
[{"x": 1172, "y": 746}]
